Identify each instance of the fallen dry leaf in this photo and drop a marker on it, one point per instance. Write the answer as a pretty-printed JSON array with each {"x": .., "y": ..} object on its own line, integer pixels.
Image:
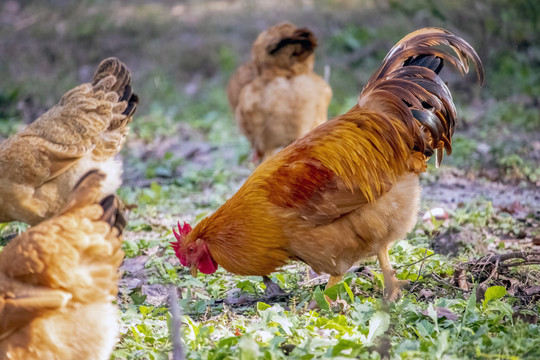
[
  {"x": 532, "y": 290},
  {"x": 426, "y": 294},
  {"x": 442, "y": 312},
  {"x": 156, "y": 294}
]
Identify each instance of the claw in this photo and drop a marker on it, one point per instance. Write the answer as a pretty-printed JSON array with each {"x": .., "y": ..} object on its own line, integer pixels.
[
  {"x": 392, "y": 288},
  {"x": 272, "y": 289}
]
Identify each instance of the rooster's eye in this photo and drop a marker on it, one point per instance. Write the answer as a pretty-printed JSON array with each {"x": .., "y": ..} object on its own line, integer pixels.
[{"x": 191, "y": 250}]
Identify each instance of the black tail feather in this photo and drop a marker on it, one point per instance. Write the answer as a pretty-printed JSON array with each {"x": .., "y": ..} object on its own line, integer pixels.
[
  {"x": 432, "y": 62},
  {"x": 408, "y": 86},
  {"x": 112, "y": 213},
  {"x": 122, "y": 86}
]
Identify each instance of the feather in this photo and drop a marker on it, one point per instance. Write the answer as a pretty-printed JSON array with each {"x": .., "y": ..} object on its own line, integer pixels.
[
  {"x": 87, "y": 127},
  {"x": 409, "y": 74}
]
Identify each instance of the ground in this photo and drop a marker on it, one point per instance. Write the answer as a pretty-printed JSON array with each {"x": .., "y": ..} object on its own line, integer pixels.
[{"x": 185, "y": 157}]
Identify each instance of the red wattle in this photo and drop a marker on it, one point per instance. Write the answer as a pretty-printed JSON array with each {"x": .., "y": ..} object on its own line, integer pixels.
[{"x": 207, "y": 265}]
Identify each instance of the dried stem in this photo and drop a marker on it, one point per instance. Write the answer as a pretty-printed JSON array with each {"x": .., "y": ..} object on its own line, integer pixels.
[{"x": 176, "y": 334}]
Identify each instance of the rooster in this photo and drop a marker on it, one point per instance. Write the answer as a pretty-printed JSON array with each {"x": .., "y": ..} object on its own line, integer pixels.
[
  {"x": 40, "y": 164},
  {"x": 276, "y": 97},
  {"x": 348, "y": 189},
  {"x": 58, "y": 281}
]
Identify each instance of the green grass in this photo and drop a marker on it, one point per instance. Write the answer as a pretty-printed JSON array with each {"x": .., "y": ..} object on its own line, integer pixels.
[{"x": 411, "y": 328}]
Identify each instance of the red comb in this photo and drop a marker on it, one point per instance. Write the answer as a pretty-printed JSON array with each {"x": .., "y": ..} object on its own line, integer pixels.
[
  {"x": 180, "y": 235},
  {"x": 182, "y": 231}
]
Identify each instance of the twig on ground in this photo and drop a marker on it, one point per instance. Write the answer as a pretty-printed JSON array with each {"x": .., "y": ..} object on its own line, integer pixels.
[
  {"x": 521, "y": 263},
  {"x": 420, "y": 270},
  {"x": 416, "y": 262},
  {"x": 441, "y": 280},
  {"x": 501, "y": 261},
  {"x": 176, "y": 334},
  {"x": 527, "y": 257},
  {"x": 492, "y": 274}
]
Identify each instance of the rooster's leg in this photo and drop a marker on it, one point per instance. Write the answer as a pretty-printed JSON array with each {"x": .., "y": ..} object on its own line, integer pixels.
[
  {"x": 272, "y": 289},
  {"x": 338, "y": 303},
  {"x": 392, "y": 286},
  {"x": 333, "y": 281}
]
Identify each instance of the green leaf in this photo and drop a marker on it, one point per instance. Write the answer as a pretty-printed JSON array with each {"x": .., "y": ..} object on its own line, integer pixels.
[
  {"x": 200, "y": 306},
  {"x": 191, "y": 281},
  {"x": 321, "y": 299},
  {"x": 379, "y": 323},
  {"x": 349, "y": 291},
  {"x": 441, "y": 345},
  {"x": 332, "y": 292},
  {"x": 493, "y": 293},
  {"x": 285, "y": 324},
  {"x": 432, "y": 313},
  {"x": 247, "y": 286},
  {"x": 145, "y": 310},
  {"x": 130, "y": 248},
  {"x": 249, "y": 349},
  {"x": 423, "y": 329},
  {"x": 138, "y": 299},
  {"x": 352, "y": 347},
  {"x": 135, "y": 333},
  {"x": 379, "y": 278},
  {"x": 471, "y": 305},
  {"x": 262, "y": 306},
  {"x": 228, "y": 342},
  {"x": 156, "y": 188}
]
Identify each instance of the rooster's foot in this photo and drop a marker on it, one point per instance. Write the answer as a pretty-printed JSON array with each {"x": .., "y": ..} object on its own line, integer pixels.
[
  {"x": 392, "y": 286},
  {"x": 272, "y": 289}
]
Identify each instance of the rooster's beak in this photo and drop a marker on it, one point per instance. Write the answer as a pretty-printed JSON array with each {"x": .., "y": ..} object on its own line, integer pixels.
[{"x": 194, "y": 270}]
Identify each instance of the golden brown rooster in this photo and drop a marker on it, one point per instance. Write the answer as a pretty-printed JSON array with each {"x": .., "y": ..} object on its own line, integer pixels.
[
  {"x": 59, "y": 278},
  {"x": 348, "y": 189},
  {"x": 276, "y": 97},
  {"x": 40, "y": 164}
]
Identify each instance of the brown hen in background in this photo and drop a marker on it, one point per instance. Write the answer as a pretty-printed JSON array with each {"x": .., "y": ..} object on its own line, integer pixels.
[{"x": 276, "y": 97}]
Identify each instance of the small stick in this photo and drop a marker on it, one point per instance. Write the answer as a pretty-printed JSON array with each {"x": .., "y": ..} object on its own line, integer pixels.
[
  {"x": 416, "y": 262},
  {"x": 491, "y": 259},
  {"x": 176, "y": 313},
  {"x": 441, "y": 280},
  {"x": 493, "y": 271},
  {"x": 420, "y": 271}
]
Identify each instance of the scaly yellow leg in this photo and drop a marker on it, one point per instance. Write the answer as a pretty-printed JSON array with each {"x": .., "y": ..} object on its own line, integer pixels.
[
  {"x": 392, "y": 286},
  {"x": 333, "y": 281}
]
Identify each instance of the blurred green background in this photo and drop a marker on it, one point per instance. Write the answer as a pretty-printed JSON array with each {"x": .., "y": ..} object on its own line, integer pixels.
[{"x": 183, "y": 52}]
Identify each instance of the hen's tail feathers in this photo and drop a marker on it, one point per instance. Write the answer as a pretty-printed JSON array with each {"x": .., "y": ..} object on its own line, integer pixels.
[
  {"x": 407, "y": 86},
  {"x": 304, "y": 40},
  {"x": 87, "y": 191},
  {"x": 112, "y": 213},
  {"x": 122, "y": 85}
]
